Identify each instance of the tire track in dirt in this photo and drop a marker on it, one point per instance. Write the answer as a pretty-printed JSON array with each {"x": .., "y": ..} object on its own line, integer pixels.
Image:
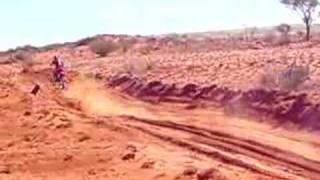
[
  {"x": 214, "y": 144},
  {"x": 298, "y": 165},
  {"x": 217, "y": 155}
]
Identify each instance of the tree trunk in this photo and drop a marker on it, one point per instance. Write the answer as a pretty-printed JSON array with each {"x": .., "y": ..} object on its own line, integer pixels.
[{"x": 308, "y": 30}]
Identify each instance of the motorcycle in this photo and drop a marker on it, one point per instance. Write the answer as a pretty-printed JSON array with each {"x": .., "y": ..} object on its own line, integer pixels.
[{"x": 59, "y": 79}]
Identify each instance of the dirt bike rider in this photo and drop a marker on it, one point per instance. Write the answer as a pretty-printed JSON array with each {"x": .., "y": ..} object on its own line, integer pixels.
[{"x": 58, "y": 71}]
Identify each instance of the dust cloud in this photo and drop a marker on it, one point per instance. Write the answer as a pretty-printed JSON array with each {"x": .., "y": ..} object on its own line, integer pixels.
[{"x": 95, "y": 98}]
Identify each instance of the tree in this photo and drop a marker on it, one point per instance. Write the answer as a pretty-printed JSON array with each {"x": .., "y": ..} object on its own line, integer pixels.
[{"x": 306, "y": 9}]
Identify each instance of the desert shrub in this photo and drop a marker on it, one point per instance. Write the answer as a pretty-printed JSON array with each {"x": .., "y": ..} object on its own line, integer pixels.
[
  {"x": 11, "y": 50},
  {"x": 292, "y": 77},
  {"x": 284, "y": 38},
  {"x": 268, "y": 80},
  {"x": 269, "y": 37},
  {"x": 174, "y": 36},
  {"x": 274, "y": 39},
  {"x": 102, "y": 47},
  {"x": 137, "y": 67},
  {"x": 287, "y": 79},
  {"x": 51, "y": 47},
  {"x": 23, "y": 56},
  {"x": 94, "y": 75},
  {"x": 300, "y": 34},
  {"x": 84, "y": 42},
  {"x": 125, "y": 45},
  {"x": 283, "y": 28},
  {"x": 145, "y": 50},
  {"x": 27, "y": 48},
  {"x": 249, "y": 33}
]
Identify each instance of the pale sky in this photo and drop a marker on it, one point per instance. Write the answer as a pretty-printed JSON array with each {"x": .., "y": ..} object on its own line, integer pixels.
[{"x": 40, "y": 22}]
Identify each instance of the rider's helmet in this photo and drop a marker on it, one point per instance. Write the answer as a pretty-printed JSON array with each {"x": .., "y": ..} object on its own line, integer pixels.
[{"x": 57, "y": 61}]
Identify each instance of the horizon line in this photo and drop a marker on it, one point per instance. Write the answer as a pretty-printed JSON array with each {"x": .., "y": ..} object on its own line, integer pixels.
[{"x": 218, "y": 30}]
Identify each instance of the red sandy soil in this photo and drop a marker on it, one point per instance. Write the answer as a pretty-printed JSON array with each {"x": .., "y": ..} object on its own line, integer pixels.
[{"x": 91, "y": 131}]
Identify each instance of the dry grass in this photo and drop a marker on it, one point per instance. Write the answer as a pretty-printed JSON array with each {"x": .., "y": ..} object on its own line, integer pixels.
[
  {"x": 125, "y": 45},
  {"x": 137, "y": 67},
  {"x": 288, "y": 79},
  {"x": 293, "y": 77}
]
